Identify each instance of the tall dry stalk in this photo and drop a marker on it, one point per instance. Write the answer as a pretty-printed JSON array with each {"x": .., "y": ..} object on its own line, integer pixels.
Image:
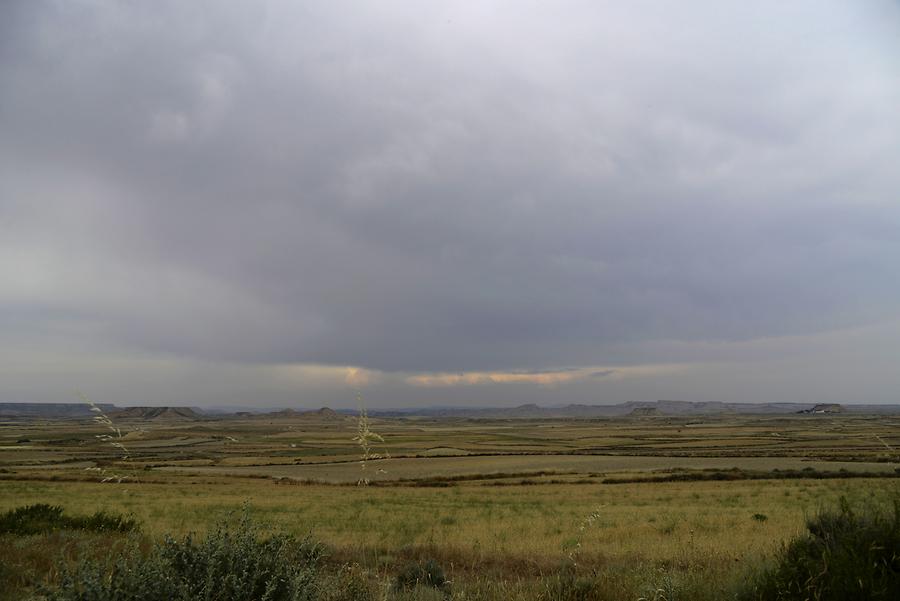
[
  {"x": 583, "y": 527},
  {"x": 364, "y": 438},
  {"x": 114, "y": 438}
]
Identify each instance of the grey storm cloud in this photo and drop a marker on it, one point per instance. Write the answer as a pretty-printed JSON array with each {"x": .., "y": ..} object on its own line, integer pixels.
[{"x": 444, "y": 187}]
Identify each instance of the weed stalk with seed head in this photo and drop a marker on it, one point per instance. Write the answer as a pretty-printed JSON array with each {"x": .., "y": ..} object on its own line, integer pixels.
[
  {"x": 364, "y": 438},
  {"x": 114, "y": 438},
  {"x": 583, "y": 527}
]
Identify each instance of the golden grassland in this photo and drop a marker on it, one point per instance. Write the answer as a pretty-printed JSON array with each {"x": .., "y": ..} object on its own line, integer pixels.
[
  {"x": 649, "y": 521},
  {"x": 490, "y": 500}
]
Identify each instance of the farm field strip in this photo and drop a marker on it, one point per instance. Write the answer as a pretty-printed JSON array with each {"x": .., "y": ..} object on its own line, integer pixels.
[{"x": 411, "y": 468}]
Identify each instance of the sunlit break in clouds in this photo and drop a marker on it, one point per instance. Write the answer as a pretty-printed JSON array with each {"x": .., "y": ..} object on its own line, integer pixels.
[{"x": 472, "y": 203}]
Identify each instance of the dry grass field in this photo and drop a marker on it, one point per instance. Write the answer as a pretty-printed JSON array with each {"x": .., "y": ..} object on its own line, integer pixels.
[{"x": 499, "y": 504}]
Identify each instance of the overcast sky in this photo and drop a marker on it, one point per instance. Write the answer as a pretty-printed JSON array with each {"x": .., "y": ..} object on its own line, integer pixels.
[{"x": 470, "y": 203}]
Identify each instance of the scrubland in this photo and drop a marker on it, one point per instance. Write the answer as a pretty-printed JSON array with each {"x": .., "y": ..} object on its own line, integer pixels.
[{"x": 562, "y": 509}]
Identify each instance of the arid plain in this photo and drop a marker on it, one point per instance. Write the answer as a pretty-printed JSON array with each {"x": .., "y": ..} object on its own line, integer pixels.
[{"x": 649, "y": 505}]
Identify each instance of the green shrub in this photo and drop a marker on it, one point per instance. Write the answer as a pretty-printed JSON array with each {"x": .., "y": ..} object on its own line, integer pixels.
[
  {"x": 228, "y": 565},
  {"x": 847, "y": 554},
  {"x": 41, "y": 518},
  {"x": 427, "y": 574}
]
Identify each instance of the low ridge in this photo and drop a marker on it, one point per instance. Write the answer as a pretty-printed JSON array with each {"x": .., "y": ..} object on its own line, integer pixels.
[
  {"x": 157, "y": 413},
  {"x": 825, "y": 408}
]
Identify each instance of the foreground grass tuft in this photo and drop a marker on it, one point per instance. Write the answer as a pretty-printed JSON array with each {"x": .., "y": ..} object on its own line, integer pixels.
[
  {"x": 425, "y": 574},
  {"x": 567, "y": 585}
]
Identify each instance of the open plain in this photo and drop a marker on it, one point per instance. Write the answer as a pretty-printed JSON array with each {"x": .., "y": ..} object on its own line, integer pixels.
[{"x": 643, "y": 505}]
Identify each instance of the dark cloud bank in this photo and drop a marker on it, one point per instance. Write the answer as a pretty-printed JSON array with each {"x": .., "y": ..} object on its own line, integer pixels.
[{"x": 224, "y": 202}]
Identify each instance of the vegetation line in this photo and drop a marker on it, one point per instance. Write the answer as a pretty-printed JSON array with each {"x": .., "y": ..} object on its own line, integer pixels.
[{"x": 718, "y": 475}]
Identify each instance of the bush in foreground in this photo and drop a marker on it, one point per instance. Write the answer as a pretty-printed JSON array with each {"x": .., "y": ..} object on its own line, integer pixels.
[
  {"x": 230, "y": 564},
  {"x": 847, "y": 554}
]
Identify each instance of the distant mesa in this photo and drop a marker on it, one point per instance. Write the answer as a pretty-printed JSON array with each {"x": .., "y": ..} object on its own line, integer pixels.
[
  {"x": 323, "y": 414},
  {"x": 157, "y": 413},
  {"x": 326, "y": 413},
  {"x": 670, "y": 408},
  {"x": 282, "y": 413},
  {"x": 529, "y": 410},
  {"x": 667, "y": 407},
  {"x": 50, "y": 410},
  {"x": 825, "y": 408}
]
